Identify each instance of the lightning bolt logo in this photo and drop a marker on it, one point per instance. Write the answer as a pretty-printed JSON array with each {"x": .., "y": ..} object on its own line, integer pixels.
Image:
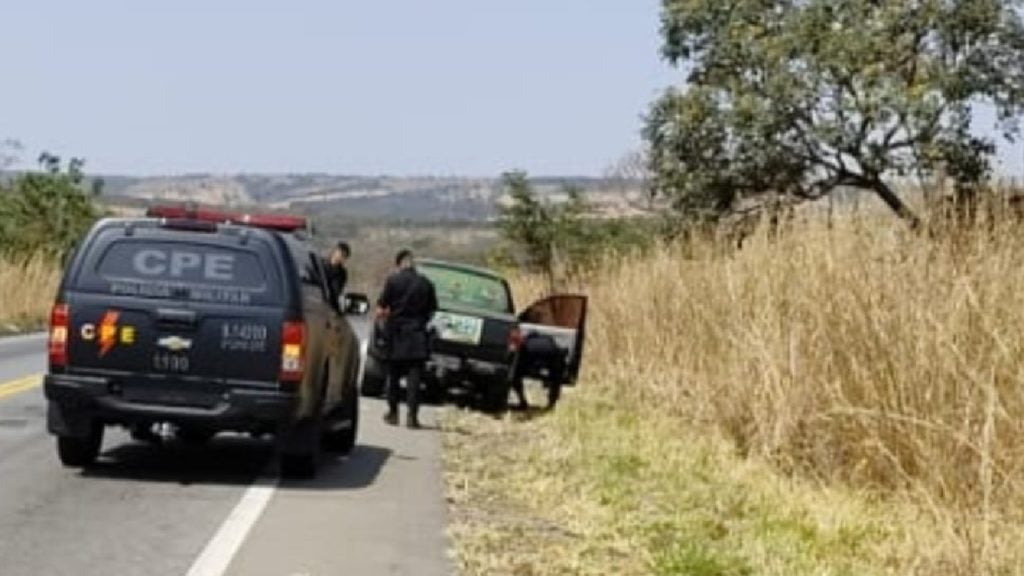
[{"x": 108, "y": 332}]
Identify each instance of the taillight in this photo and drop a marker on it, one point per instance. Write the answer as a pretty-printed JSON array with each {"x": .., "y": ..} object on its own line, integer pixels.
[
  {"x": 58, "y": 345},
  {"x": 293, "y": 352},
  {"x": 515, "y": 339}
]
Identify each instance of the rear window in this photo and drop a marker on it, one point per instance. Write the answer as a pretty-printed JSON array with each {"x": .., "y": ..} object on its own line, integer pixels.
[
  {"x": 461, "y": 288},
  {"x": 177, "y": 270}
]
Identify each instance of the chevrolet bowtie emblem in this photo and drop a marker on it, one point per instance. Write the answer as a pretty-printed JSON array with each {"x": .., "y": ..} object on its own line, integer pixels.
[{"x": 174, "y": 343}]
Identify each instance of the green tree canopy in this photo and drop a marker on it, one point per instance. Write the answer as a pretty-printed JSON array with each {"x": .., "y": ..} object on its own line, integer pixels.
[
  {"x": 542, "y": 229},
  {"x": 566, "y": 237},
  {"x": 46, "y": 210},
  {"x": 801, "y": 97}
]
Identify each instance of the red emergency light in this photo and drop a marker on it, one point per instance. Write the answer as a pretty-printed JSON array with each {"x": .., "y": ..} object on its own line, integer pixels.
[{"x": 279, "y": 222}]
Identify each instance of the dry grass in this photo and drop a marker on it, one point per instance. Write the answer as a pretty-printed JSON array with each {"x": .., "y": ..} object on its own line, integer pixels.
[
  {"x": 27, "y": 289},
  {"x": 846, "y": 400},
  {"x": 595, "y": 490}
]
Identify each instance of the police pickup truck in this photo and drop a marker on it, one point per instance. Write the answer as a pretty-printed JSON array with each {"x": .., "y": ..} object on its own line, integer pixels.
[
  {"x": 206, "y": 321},
  {"x": 481, "y": 345}
]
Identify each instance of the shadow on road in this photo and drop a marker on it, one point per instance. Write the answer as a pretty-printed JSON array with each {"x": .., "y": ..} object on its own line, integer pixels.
[
  {"x": 230, "y": 460},
  {"x": 226, "y": 460},
  {"x": 358, "y": 470}
]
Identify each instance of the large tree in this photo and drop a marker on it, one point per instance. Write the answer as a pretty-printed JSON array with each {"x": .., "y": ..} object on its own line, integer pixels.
[
  {"x": 795, "y": 99},
  {"x": 545, "y": 231}
]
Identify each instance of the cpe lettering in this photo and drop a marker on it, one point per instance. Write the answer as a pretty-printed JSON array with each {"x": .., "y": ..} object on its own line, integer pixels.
[{"x": 184, "y": 264}]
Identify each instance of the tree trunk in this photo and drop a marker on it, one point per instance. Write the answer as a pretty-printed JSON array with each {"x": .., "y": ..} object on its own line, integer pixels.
[{"x": 888, "y": 195}]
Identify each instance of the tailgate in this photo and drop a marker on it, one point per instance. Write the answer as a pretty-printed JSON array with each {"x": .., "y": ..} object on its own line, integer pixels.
[
  {"x": 165, "y": 339},
  {"x": 177, "y": 304}
]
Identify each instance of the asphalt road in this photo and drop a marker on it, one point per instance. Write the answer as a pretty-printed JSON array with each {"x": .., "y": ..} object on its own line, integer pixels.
[{"x": 171, "y": 510}]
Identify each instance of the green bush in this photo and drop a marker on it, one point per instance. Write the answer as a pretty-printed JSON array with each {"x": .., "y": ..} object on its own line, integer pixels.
[
  {"x": 560, "y": 239},
  {"x": 46, "y": 211}
]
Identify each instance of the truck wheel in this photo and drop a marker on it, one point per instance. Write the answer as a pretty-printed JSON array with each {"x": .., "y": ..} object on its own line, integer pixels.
[
  {"x": 343, "y": 440},
  {"x": 435, "y": 391},
  {"x": 496, "y": 395},
  {"x": 143, "y": 432},
  {"x": 195, "y": 436},
  {"x": 373, "y": 379},
  {"x": 300, "y": 458},
  {"x": 298, "y": 466},
  {"x": 80, "y": 451}
]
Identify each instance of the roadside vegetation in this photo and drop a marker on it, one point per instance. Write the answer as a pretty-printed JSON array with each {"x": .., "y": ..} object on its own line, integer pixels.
[
  {"x": 28, "y": 286},
  {"x": 562, "y": 240},
  {"x": 42, "y": 214},
  {"x": 777, "y": 383},
  {"x": 838, "y": 400}
]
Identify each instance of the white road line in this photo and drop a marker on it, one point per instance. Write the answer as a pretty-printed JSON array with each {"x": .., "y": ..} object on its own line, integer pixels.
[
  {"x": 221, "y": 550},
  {"x": 22, "y": 337}
]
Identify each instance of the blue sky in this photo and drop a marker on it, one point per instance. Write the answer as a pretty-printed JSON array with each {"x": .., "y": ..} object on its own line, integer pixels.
[
  {"x": 403, "y": 87},
  {"x": 444, "y": 87}
]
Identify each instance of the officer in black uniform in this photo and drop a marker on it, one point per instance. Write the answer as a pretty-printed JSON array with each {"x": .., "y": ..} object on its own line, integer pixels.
[
  {"x": 539, "y": 351},
  {"x": 337, "y": 274},
  {"x": 407, "y": 304}
]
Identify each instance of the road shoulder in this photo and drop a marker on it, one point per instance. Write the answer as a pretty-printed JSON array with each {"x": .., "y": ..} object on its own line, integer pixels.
[{"x": 379, "y": 511}]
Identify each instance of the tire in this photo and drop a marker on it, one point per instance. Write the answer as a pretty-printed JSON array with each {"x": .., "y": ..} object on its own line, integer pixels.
[
  {"x": 433, "y": 391},
  {"x": 144, "y": 433},
  {"x": 374, "y": 381},
  {"x": 496, "y": 395},
  {"x": 301, "y": 462},
  {"x": 80, "y": 452},
  {"x": 343, "y": 441},
  {"x": 195, "y": 437},
  {"x": 298, "y": 466}
]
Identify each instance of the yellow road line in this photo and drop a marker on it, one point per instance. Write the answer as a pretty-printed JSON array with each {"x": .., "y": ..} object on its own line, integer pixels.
[{"x": 20, "y": 385}]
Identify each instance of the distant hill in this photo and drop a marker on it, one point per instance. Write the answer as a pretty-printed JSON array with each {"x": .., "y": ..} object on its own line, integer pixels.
[{"x": 374, "y": 197}]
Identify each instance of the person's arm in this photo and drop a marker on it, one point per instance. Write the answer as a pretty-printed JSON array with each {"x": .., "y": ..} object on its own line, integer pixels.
[
  {"x": 325, "y": 269},
  {"x": 342, "y": 279},
  {"x": 431, "y": 299},
  {"x": 386, "y": 298}
]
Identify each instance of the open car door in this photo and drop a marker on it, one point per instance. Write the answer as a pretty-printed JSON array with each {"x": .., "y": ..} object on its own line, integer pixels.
[{"x": 562, "y": 318}]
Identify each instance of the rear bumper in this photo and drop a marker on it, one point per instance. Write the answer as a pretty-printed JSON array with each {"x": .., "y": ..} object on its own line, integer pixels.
[
  {"x": 448, "y": 368},
  {"x": 445, "y": 370},
  {"x": 77, "y": 401}
]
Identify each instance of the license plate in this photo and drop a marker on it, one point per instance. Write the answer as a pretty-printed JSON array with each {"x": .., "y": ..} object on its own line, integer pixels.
[
  {"x": 459, "y": 328},
  {"x": 168, "y": 397}
]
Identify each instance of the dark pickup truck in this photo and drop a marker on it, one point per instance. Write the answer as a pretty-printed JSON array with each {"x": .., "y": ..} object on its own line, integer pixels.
[
  {"x": 478, "y": 341},
  {"x": 206, "y": 321}
]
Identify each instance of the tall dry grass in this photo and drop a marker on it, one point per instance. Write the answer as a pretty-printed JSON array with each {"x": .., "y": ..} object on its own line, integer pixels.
[
  {"x": 27, "y": 288},
  {"x": 858, "y": 354}
]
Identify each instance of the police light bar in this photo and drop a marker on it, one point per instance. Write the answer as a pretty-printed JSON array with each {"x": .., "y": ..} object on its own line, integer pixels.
[{"x": 279, "y": 222}]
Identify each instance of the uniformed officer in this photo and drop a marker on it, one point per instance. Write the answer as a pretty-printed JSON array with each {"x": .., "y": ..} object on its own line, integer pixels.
[
  {"x": 407, "y": 304},
  {"x": 337, "y": 274}
]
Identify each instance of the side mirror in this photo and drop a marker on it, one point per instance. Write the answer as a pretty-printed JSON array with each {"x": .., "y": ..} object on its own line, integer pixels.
[{"x": 355, "y": 304}]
